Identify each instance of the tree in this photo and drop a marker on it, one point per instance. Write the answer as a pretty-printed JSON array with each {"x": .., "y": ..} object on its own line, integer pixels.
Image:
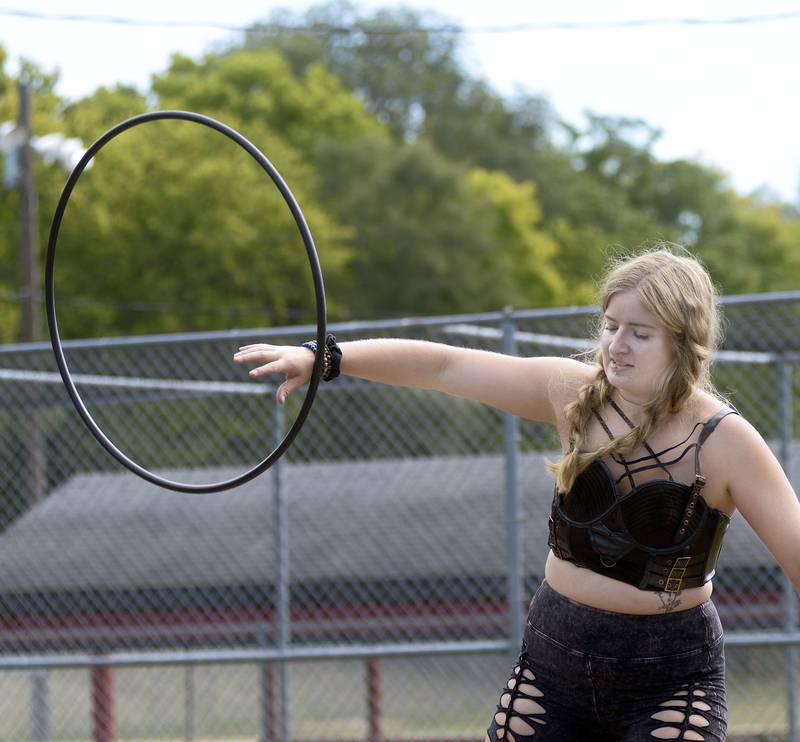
[
  {"x": 259, "y": 87},
  {"x": 390, "y": 60},
  {"x": 177, "y": 229},
  {"x": 524, "y": 257},
  {"x": 433, "y": 236},
  {"x": 756, "y": 248},
  {"x": 406, "y": 68}
]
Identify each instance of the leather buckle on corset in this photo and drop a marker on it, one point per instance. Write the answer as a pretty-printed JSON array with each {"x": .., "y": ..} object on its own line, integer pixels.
[
  {"x": 610, "y": 545},
  {"x": 675, "y": 576}
]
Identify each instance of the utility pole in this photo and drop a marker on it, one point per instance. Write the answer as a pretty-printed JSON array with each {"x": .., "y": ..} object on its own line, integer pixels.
[
  {"x": 29, "y": 215},
  {"x": 31, "y": 292}
]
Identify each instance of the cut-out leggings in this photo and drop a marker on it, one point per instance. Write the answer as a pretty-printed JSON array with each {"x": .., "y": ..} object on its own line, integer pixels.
[{"x": 590, "y": 674}]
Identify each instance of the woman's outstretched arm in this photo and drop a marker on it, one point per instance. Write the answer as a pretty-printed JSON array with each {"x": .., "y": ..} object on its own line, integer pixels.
[{"x": 522, "y": 386}]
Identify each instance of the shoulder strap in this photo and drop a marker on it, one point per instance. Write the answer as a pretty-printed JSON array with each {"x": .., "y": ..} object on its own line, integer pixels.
[
  {"x": 711, "y": 425},
  {"x": 602, "y": 422},
  {"x": 699, "y": 479},
  {"x": 708, "y": 428}
]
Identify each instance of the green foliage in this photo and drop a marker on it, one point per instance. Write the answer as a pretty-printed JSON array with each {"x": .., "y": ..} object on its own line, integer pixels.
[
  {"x": 426, "y": 191},
  {"x": 175, "y": 216},
  {"x": 756, "y": 248},
  {"x": 523, "y": 258},
  {"x": 389, "y": 59},
  {"x": 417, "y": 240},
  {"x": 433, "y": 236},
  {"x": 91, "y": 116},
  {"x": 260, "y": 87}
]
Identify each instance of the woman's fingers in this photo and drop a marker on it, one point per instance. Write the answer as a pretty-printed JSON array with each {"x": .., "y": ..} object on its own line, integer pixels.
[
  {"x": 294, "y": 363},
  {"x": 288, "y": 386},
  {"x": 266, "y": 358},
  {"x": 257, "y": 346},
  {"x": 275, "y": 367},
  {"x": 254, "y": 353}
]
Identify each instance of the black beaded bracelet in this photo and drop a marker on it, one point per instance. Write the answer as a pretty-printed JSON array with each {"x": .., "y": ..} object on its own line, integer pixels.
[{"x": 332, "y": 357}]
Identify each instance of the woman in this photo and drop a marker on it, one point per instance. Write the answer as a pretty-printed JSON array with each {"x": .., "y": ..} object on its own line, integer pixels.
[{"x": 622, "y": 640}]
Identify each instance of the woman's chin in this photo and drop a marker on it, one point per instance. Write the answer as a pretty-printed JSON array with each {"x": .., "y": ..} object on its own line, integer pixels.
[{"x": 619, "y": 377}]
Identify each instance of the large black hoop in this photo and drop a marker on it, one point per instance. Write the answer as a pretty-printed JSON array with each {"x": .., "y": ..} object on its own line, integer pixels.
[{"x": 55, "y": 339}]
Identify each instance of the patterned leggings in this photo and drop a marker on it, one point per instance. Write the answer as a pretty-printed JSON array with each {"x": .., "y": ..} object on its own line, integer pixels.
[{"x": 589, "y": 674}]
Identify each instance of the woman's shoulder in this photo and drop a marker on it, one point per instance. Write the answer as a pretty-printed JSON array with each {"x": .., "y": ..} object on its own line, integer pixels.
[
  {"x": 704, "y": 406},
  {"x": 569, "y": 376},
  {"x": 731, "y": 431}
]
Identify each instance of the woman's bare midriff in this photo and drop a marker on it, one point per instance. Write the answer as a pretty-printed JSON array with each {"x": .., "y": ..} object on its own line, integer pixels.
[{"x": 593, "y": 589}]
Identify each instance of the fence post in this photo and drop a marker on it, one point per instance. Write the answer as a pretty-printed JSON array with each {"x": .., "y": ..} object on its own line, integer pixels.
[
  {"x": 40, "y": 705},
  {"x": 269, "y": 717},
  {"x": 374, "y": 676},
  {"x": 282, "y": 596},
  {"x": 511, "y": 435},
  {"x": 103, "y": 721},
  {"x": 786, "y": 401}
]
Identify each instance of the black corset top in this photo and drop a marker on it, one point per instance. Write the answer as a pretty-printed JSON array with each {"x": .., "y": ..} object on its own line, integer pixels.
[{"x": 660, "y": 534}]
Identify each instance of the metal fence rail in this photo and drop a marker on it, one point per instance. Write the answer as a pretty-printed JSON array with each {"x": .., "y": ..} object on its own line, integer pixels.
[{"x": 372, "y": 585}]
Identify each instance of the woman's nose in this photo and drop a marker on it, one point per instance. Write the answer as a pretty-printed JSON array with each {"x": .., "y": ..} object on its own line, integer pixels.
[{"x": 618, "y": 343}]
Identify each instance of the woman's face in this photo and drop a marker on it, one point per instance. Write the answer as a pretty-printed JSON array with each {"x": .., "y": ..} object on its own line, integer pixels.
[{"x": 636, "y": 348}]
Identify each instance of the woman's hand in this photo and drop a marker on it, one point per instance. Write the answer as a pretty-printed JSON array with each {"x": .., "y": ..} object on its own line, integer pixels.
[{"x": 294, "y": 362}]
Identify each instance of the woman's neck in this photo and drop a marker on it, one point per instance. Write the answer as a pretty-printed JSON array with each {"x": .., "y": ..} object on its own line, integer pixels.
[
  {"x": 627, "y": 400},
  {"x": 632, "y": 408}
]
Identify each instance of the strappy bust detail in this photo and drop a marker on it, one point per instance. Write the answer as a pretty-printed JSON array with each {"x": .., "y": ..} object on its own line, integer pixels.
[{"x": 659, "y": 534}]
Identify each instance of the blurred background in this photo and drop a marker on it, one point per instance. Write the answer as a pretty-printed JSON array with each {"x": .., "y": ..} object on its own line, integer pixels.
[{"x": 469, "y": 166}]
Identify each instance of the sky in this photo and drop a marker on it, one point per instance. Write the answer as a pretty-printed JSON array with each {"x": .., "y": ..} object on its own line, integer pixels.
[{"x": 724, "y": 94}]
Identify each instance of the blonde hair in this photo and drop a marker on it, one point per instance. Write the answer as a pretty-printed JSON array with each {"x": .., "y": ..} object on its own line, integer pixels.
[{"x": 675, "y": 288}]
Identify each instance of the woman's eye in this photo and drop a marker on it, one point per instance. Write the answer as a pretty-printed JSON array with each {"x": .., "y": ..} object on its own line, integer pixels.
[
  {"x": 610, "y": 328},
  {"x": 640, "y": 337}
]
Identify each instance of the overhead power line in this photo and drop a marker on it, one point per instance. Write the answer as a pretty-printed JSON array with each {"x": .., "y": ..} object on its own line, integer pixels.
[{"x": 396, "y": 29}]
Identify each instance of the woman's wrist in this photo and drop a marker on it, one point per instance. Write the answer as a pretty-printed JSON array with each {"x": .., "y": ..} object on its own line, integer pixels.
[{"x": 331, "y": 359}]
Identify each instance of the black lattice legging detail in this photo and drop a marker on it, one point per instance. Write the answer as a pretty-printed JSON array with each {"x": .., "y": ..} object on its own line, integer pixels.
[{"x": 519, "y": 709}]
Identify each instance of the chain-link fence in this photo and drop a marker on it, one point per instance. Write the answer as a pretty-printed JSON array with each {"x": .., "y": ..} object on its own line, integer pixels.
[{"x": 370, "y": 586}]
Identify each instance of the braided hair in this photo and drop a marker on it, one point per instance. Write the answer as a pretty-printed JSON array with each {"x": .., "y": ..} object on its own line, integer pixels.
[{"x": 675, "y": 288}]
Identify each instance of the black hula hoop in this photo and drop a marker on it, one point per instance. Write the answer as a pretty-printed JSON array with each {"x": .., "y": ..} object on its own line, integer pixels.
[{"x": 55, "y": 339}]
